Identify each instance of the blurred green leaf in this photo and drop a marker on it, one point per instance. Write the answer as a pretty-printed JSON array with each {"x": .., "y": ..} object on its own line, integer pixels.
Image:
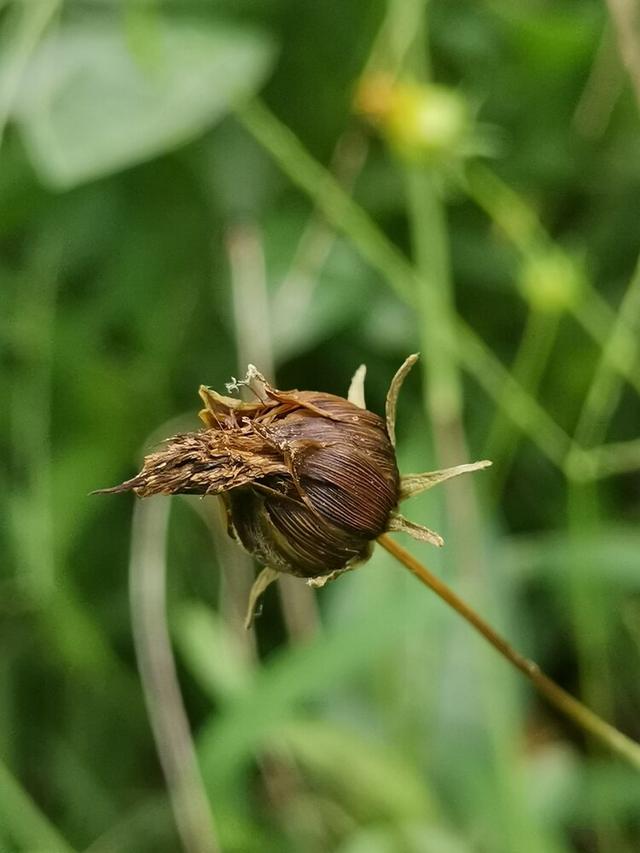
[
  {"x": 329, "y": 297},
  {"x": 91, "y": 107},
  {"x": 611, "y": 555},
  {"x": 211, "y": 651},
  {"x": 366, "y": 776},
  {"x": 412, "y": 838},
  {"x": 294, "y": 676},
  {"x": 23, "y": 820}
]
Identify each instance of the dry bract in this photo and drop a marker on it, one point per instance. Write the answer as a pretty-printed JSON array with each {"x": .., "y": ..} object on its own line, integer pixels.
[{"x": 309, "y": 479}]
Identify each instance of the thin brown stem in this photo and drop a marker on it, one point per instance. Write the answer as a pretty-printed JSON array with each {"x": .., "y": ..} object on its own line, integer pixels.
[{"x": 556, "y": 695}]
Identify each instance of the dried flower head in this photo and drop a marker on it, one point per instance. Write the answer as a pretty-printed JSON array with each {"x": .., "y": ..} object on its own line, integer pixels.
[{"x": 309, "y": 479}]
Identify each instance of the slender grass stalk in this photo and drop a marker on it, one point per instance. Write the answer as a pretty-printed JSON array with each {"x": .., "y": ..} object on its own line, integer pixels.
[
  {"x": 395, "y": 37},
  {"x": 443, "y": 398},
  {"x": 590, "y": 611},
  {"x": 590, "y": 604},
  {"x": 528, "y": 368},
  {"x": 27, "y": 826},
  {"x": 301, "y": 281},
  {"x": 609, "y": 459},
  {"x": 350, "y": 219},
  {"x": 320, "y": 185},
  {"x": 523, "y": 410},
  {"x": 442, "y": 391},
  {"x": 606, "y": 385},
  {"x": 602, "y": 90},
  {"x": 563, "y": 701},
  {"x": 159, "y": 678},
  {"x": 510, "y": 212},
  {"x": 598, "y": 319}
]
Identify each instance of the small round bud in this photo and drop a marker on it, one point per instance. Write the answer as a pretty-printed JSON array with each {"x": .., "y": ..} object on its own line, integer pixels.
[
  {"x": 551, "y": 281},
  {"x": 422, "y": 122}
]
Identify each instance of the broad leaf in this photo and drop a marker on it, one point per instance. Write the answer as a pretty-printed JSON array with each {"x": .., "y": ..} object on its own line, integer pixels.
[{"x": 91, "y": 106}]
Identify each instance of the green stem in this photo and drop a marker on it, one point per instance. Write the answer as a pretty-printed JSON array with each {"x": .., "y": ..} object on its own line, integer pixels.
[
  {"x": 597, "y": 318},
  {"x": 608, "y": 459},
  {"x": 525, "y": 412},
  {"x": 520, "y": 224},
  {"x": 505, "y": 207},
  {"x": 590, "y": 614},
  {"x": 348, "y": 218},
  {"x": 606, "y": 384},
  {"x": 528, "y": 368},
  {"x": 329, "y": 196},
  {"x": 434, "y": 299}
]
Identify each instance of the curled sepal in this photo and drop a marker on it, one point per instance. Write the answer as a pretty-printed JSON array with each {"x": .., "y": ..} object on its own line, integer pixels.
[
  {"x": 322, "y": 580},
  {"x": 393, "y": 393},
  {"x": 415, "y": 484},
  {"x": 400, "y": 524},
  {"x": 264, "y": 579},
  {"x": 355, "y": 562},
  {"x": 356, "y": 389}
]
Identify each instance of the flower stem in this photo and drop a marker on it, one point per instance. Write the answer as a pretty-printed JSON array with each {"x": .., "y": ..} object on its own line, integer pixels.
[{"x": 556, "y": 695}]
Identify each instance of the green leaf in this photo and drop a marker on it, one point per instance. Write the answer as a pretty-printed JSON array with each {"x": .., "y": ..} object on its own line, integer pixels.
[
  {"x": 292, "y": 678},
  {"x": 210, "y": 650},
  {"x": 412, "y": 838},
  {"x": 610, "y": 554},
  {"x": 365, "y": 776},
  {"x": 91, "y": 106}
]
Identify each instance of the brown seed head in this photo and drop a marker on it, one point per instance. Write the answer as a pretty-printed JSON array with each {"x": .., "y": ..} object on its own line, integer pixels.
[{"x": 309, "y": 478}]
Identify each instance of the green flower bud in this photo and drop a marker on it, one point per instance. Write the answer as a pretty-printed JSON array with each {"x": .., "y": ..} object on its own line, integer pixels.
[
  {"x": 421, "y": 122},
  {"x": 551, "y": 281}
]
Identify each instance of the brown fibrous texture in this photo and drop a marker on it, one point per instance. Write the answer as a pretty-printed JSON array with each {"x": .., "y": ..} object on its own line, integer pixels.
[{"x": 309, "y": 479}]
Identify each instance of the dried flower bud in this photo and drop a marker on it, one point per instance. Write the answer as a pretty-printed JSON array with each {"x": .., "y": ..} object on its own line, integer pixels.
[{"x": 309, "y": 479}]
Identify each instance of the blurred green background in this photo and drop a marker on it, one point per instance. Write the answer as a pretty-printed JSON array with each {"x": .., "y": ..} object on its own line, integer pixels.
[{"x": 160, "y": 227}]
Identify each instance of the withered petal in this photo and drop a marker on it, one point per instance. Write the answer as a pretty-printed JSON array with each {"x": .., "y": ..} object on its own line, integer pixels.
[
  {"x": 394, "y": 392},
  {"x": 397, "y": 523},
  {"x": 355, "y": 394},
  {"x": 415, "y": 484},
  {"x": 266, "y": 577}
]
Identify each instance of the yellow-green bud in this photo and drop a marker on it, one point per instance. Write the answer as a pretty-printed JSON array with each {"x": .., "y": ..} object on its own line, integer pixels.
[{"x": 551, "y": 280}]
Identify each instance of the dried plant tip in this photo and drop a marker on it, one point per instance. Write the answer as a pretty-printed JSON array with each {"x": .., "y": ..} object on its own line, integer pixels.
[
  {"x": 415, "y": 484},
  {"x": 356, "y": 388},
  {"x": 394, "y": 392},
  {"x": 402, "y": 525},
  {"x": 265, "y": 578}
]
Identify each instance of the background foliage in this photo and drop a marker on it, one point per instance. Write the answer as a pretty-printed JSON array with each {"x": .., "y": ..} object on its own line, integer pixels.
[{"x": 159, "y": 228}]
